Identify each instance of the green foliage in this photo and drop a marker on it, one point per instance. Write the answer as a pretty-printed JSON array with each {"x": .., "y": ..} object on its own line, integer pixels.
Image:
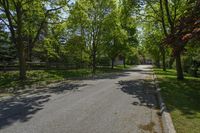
[
  {"x": 81, "y": 34},
  {"x": 191, "y": 58},
  {"x": 133, "y": 56},
  {"x": 101, "y": 28},
  {"x": 7, "y": 51}
]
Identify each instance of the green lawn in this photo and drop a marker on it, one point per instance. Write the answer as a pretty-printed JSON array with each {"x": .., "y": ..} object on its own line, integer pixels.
[
  {"x": 9, "y": 82},
  {"x": 182, "y": 99}
]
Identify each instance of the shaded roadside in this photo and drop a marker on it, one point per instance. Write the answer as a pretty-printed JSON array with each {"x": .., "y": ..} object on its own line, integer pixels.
[{"x": 22, "y": 106}]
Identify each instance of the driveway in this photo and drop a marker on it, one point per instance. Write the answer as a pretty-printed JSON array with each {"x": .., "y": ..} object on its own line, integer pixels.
[{"x": 119, "y": 103}]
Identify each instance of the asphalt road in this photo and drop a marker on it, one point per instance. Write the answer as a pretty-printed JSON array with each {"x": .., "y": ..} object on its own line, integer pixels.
[{"x": 118, "y": 103}]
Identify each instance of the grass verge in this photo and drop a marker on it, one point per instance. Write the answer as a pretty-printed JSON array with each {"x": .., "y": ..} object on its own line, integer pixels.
[
  {"x": 182, "y": 99},
  {"x": 9, "y": 82}
]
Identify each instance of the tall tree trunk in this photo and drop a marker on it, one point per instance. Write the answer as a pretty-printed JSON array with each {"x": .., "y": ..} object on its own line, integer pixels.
[
  {"x": 163, "y": 60},
  {"x": 124, "y": 62},
  {"x": 30, "y": 52},
  {"x": 94, "y": 64},
  {"x": 81, "y": 64},
  {"x": 20, "y": 44},
  {"x": 30, "y": 55},
  {"x": 179, "y": 67},
  {"x": 113, "y": 60},
  {"x": 94, "y": 59},
  {"x": 22, "y": 61}
]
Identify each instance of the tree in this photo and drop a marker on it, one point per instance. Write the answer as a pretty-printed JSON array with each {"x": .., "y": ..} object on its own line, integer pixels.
[
  {"x": 167, "y": 14},
  {"x": 152, "y": 45},
  {"x": 114, "y": 35},
  {"x": 90, "y": 25},
  {"x": 20, "y": 19},
  {"x": 183, "y": 31},
  {"x": 128, "y": 24}
]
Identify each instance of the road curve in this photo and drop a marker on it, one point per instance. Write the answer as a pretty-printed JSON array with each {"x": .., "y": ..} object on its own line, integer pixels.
[{"x": 119, "y": 103}]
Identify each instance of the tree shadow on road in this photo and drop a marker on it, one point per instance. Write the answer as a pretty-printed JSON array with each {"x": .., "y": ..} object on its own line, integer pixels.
[
  {"x": 24, "y": 105},
  {"x": 20, "y": 109},
  {"x": 143, "y": 90}
]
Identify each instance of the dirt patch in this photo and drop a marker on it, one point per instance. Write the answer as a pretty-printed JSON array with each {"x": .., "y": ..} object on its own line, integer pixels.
[{"x": 148, "y": 127}]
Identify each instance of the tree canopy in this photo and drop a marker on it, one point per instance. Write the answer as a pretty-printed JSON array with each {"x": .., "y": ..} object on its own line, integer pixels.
[{"x": 87, "y": 33}]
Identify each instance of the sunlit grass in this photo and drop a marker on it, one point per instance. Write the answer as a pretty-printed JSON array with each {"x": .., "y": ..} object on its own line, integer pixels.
[
  {"x": 182, "y": 99},
  {"x": 122, "y": 66}
]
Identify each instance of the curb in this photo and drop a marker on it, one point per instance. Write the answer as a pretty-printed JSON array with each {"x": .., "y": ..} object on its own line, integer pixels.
[{"x": 168, "y": 126}]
